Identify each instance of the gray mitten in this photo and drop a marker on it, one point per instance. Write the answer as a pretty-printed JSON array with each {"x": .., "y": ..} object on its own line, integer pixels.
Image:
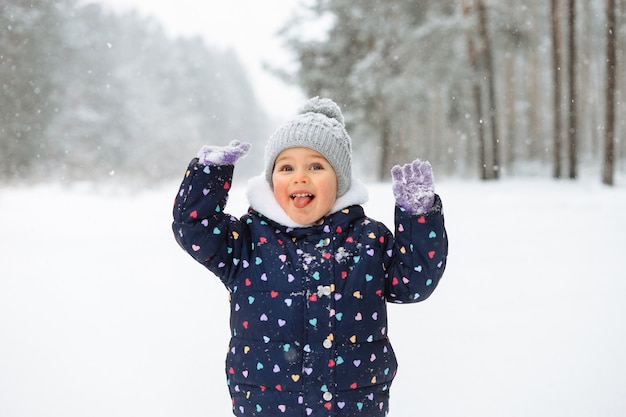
[
  {"x": 413, "y": 186},
  {"x": 223, "y": 155}
]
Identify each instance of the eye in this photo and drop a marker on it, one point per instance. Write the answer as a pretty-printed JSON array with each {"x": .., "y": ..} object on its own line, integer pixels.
[
  {"x": 284, "y": 168},
  {"x": 316, "y": 167}
]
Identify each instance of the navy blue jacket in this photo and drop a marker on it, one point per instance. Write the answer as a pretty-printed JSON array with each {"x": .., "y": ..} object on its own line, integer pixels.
[{"x": 308, "y": 305}]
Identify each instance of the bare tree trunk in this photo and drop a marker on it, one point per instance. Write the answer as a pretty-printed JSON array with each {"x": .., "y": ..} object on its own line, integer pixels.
[
  {"x": 609, "y": 133},
  {"x": 512, "y": 127},
  {"x": 482, "y": 147},
  {"x": 573, "y": 99},
  {"x": 620, "y": 130},
  {"x": 587, "y": 104},
  {"x": 476, "y": 94},
  {"x": 485, "y": 48},
  {"x": 534, "y": 136},
  {"x": 556, "y": 65}
]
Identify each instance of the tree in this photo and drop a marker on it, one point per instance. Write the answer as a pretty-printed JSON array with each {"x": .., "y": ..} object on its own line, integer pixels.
[
  {"x": 29, "y": 40},
  {"x": 556, "y": 80},
  {"x": 476, "y": 95},
  {"x": 608, "y": 167},
  {"x": 481, "y": 62},
  {"x": 489, "y": 75},
  {"x": 573, "y": 98},
  {"x": 534, "y": 104},
  {"x": 87, "y": 132}
]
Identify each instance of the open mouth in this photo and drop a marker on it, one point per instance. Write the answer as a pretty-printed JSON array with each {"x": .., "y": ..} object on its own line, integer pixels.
[{"x": 300, "y": 200}]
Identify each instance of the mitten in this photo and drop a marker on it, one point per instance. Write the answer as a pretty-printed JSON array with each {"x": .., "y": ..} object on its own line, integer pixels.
[
  {"x": 223, "y": 155},
  {"x": 413, "y": 186}
]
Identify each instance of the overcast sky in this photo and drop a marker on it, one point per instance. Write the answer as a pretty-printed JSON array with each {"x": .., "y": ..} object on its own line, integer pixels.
[{"x": 248, "y": 26}]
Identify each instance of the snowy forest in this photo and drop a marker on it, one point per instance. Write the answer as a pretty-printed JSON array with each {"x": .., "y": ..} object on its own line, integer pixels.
[
  {"x": 89, "y": 95},
  {"x": 481, "y": 88}
]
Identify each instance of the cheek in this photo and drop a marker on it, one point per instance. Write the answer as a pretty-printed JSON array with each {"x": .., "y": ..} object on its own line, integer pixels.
[
  {"x": 276, "y": 183},
  {"x": 279, "y": 190},
  {"x": 331, "y": 187},
  {"x": 330, "y": 192}
]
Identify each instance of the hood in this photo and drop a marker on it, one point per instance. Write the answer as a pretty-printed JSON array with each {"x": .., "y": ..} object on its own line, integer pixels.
[{"x": 261, "y": 198}]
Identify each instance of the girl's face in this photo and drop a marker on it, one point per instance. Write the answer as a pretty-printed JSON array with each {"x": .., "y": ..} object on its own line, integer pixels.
[{"x": 305, "y": 184}]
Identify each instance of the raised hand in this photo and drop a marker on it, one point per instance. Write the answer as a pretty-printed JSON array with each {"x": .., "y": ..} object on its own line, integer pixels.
[
  {"x": 413, "y": 186},
  {"x": 223, "y": 155}
]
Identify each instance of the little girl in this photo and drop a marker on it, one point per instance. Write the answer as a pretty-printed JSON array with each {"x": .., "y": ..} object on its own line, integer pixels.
[{"x": 308, "y": 272}]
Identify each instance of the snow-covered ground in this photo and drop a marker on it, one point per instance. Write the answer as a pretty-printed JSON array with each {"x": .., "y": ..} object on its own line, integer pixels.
[{"x": 101, "y": 314}]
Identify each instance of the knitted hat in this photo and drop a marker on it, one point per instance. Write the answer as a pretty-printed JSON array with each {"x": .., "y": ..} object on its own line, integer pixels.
[{"x": 319, "y": 125}]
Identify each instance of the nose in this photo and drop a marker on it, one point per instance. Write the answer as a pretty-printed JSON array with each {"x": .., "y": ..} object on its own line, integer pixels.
[{"x": 301, "y": 176}]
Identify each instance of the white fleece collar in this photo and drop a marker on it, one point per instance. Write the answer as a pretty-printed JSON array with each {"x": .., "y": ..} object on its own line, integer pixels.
[{"x": 261, "y": 198}]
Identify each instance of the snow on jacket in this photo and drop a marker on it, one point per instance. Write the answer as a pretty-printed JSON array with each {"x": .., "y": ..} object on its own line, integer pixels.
[{"x": 308, "y": 304}]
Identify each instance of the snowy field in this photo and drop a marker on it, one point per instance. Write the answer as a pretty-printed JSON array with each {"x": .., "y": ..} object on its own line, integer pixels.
[{"x": 102, "y": 315}]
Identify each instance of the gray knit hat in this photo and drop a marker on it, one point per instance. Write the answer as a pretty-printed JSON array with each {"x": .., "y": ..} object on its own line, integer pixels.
[{"x": 319, "y": 125}]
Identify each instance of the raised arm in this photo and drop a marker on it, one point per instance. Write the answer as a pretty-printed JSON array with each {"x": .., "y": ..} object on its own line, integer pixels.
[
  {"x": 200, "y": 226},
  {"x": 421, "y": 242}
]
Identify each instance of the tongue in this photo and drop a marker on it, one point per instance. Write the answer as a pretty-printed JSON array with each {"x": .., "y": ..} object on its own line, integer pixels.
[{"x": 300, "y": 202}]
